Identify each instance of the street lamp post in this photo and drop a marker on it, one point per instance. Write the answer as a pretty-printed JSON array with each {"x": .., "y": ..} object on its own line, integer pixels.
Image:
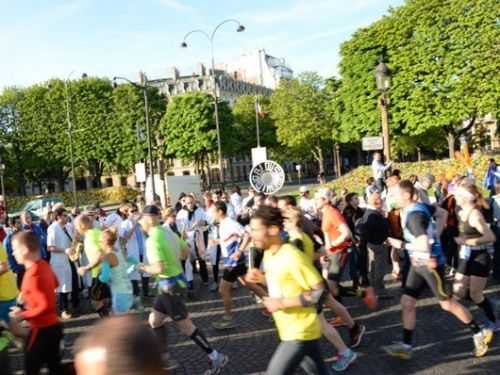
[
  {"x": 210, "y": 38},
  {"x": 144, "y": 87},
  {"x": 70, "y": 136},
  {"x": 2, "y": 172},
  {"x": 383, "y": 80}
]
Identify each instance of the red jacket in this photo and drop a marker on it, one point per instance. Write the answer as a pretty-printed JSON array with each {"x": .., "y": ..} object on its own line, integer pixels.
[{"x": 38, "y": 292}]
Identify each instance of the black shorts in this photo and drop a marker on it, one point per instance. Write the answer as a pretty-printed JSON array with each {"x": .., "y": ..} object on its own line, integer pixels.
[
  {"x": 336, "y": 265},
  {"x": 231, "y": 274},
  {"x": 172, "y": 304},
  {"x": 478, "y": 264},
  {"x": 99, "y": 291},
  {"x": 421, "y": 276}
]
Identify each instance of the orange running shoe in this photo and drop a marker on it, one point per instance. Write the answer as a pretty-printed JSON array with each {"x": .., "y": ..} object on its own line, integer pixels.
[
  {"x": 336, "y": 322},
  {"x": 370, "y": 299}
]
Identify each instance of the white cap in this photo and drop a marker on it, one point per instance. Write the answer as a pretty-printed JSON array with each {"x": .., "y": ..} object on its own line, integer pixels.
[
  {"x": 324, "y": 193},
  {"x": 303, "y": 189}
]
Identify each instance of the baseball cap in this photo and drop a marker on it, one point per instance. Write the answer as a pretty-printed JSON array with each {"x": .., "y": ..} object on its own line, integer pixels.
[
  {"x": 151, "y": 210},
  {"x": 303, "y": 189},
  {"x": 324, "y": 193}
]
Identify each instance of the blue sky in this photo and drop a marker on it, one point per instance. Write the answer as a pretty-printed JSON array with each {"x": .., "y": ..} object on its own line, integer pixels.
[{"x": 41, "y": 39}]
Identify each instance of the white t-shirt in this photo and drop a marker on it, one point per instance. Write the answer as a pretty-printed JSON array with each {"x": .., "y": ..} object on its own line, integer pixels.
[
  {"x": 307, "y": 206},
  {"x": 229, "y": 232},
  {"x": 236, "y": 201},
  {"x": 113, "y": 219}
]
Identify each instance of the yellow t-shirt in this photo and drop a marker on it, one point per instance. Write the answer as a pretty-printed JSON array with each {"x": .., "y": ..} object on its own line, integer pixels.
[
  {"x": 8, "y": 286},
  {"x": 307, "y": 244},
  {"x": 289, "y": 273}
]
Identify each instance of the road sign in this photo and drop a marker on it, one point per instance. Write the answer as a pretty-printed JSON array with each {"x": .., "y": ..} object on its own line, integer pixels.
[
  {"x": 372, "y": 143},
  {"x": 259, "y": 155},
  {"x": 267, "y": 177},
  {"x": 140, "y": 172}
]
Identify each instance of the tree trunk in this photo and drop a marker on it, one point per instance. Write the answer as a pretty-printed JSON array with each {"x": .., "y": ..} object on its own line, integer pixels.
[
  {"x": 321, "y": 159},
  {"x": 419, "y": 154},
  {"x": 334, "y": 156},
  {"x": 450, "y": 137}
]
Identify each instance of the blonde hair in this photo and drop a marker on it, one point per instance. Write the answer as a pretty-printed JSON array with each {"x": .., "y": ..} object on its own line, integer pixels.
[
  {"x": 84, "y": 221},
  {"x": 109, "y": 236}
]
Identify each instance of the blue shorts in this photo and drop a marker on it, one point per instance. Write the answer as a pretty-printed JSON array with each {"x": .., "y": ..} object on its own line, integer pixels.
[
  {"x": 122, "y": 302},
  {"x": 5, "y": 309}
]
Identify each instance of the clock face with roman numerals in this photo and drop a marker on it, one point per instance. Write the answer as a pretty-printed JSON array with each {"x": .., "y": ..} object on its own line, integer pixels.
[{"x": 267, "y": 177}]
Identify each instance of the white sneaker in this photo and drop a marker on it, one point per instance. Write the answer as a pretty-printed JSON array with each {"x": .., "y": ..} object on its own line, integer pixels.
[
  {"x": 482, "y": 340},
  {"x": 216, "y": 366}
]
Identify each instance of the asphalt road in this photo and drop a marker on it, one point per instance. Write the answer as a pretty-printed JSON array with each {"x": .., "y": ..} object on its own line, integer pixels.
[{"x": 444, "y": 346}]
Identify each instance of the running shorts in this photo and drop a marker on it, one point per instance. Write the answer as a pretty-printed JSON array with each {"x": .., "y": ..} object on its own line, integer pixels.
[
  {"x": 336, "y": 265},
  {"x": 171, "y": 303},
  {"x": 476, "y": 263},
  {"x": 231, "y": 274},
  {"x": 421, "y": 276}
]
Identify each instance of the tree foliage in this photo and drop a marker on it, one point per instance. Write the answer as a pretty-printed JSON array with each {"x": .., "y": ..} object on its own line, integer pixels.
[
  {"x": 444, "y": 62},
  {"x": 302, "y": 121}
]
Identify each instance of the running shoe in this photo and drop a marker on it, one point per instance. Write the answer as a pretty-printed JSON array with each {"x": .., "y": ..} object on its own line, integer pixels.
[
  {"x": 336, "y": 322},
  {"x": 343, "y": 361},
  {"x": 65, "y": 315},
  {"x": 398, "y": 349},
  {"x": 356, "y": 334},
  {"x": 225, "y": 323},
  {"x": 215, "y": 367},
  {"x": 481, "y": 341},
  {"x": 214, "y": 287},
  {"x": 370, "y": 299}
]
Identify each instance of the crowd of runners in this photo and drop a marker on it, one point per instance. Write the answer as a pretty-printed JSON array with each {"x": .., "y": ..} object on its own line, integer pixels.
[{"x": 298, "y": 256}]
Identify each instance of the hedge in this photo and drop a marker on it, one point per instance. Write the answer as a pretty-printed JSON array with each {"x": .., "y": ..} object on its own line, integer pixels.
[
  {"x": 355, "y": 180},
  {"x": 108, "y": 195}
]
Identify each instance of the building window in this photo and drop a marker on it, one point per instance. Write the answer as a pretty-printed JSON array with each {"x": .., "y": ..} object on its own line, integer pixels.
[
  {"x": 108, "y": 182},
  {"x": 186, "y": 173},
  {"x": 123, "y": 180},
  {"x": 170, "y": 173},
  {"x": 186, "y": 86},
  {"x": 51, "y": 188}
]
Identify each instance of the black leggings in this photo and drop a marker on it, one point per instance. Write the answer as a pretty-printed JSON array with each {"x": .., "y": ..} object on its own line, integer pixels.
[{"x": 44, "y": 348}]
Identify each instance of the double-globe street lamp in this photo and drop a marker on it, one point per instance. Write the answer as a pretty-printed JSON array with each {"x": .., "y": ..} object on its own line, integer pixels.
[
  {"x": 383, "y": 80},
  {"x": 144, "y": 88},
  {"x": 70, "y": 135},
  {"x": 210, "y": 38}
]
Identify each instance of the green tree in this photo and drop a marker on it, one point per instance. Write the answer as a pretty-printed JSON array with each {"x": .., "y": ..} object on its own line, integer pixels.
[
  {"x": 444, "y": 62},
  {"x": 189, "y": 131},
  {"x": 298, "y": 109}
]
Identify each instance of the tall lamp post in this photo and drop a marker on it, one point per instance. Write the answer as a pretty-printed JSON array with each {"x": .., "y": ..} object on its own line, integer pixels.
[
  {"x": 210, "y": 38},
  {"x": 383, "y": 79},
  {"x": 70, "y": 135},
  {"x": 2, "y": 172},
  {"x": 144, "y": 88}
]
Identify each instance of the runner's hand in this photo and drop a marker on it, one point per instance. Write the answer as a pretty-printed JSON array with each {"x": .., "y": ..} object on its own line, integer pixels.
[
  {"x": 254, "y": 276},
  {"x": 460, "y": 240},
  {"x": 82, "y": 271},
  {"x": 273, "y": 304},
  {"x": 15, "y": 313},
  {"x": 324, "y": 260},
  {"x": 236, "y": 255}
]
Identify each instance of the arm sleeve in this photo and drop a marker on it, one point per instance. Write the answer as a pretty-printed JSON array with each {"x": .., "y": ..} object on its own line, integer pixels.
[
  {"x": 417, "y": 223},
  {"x": 39, "y": 298}
]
